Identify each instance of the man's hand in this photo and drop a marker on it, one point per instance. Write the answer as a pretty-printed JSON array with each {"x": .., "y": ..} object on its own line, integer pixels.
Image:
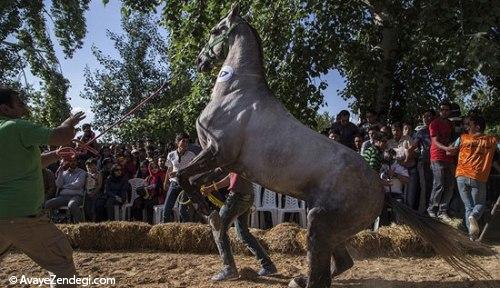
[
  {"x": 391, "y": 173},
  {"x": 207, "y": 190},
  {"x": 74, "y": 119},
  {"x": 451, "y": 150},
  {"x": 386, "y": 182},
  {"x": 63, "y": 134}
]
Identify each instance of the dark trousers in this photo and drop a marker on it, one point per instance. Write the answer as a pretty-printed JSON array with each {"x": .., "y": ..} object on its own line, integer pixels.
[
  {"x": 89, "y": 207},
  {"x": 105, "y": 208},
  {"x": 425, "y": 180},
  {"x": 442, "y": 186},
  {"x": 236, "y": 209},
  {"x": 141, "y": 204},
  {"x": 73, "y": 202},
  {"x": 412, "y": 190},
  {"x": 185, "y": 209}
]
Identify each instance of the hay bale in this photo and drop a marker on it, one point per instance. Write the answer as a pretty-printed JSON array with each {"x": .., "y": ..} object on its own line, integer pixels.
[
  {"x": 182, "y": 237},
  {"x": 286, "y": 238},
  {"x": 107, "y": 236},
  {"x": 396, "y": 240}
]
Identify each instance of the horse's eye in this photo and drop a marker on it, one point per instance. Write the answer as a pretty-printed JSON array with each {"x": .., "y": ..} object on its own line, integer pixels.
[{"x": 215, "y": 31}]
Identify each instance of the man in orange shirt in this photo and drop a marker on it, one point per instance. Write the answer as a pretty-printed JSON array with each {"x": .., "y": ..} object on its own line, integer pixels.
[{"x": 475, "y": 158}]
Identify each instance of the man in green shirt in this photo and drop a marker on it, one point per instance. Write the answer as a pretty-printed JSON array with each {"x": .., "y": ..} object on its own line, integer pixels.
[{"x": 22, "y": 224}]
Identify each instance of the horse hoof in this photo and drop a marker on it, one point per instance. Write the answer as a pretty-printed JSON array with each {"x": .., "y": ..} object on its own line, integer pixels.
[
  {"x": 298, "y": 282},
  {"x": 342, "y": 268}
]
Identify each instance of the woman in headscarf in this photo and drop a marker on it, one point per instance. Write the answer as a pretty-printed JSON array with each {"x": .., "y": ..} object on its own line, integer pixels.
[
  {"x": 115, "y": 193},
  {"x": 152, "y": 194}
]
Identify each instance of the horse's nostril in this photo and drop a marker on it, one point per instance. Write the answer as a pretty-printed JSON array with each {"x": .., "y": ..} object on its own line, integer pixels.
[{"x": 198, "y": 60}]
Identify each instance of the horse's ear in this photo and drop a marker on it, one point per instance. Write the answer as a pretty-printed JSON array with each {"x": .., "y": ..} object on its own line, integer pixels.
[
  {"x": 235, "y": 11},
  {"x": 247, "y": 16}
]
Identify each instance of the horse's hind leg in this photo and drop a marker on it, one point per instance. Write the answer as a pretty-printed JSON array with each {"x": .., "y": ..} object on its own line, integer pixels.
[
  {"x": 319, "y": 236},
  {"x": 341, "y": 260},
  {"x": 320, "y": 250}
]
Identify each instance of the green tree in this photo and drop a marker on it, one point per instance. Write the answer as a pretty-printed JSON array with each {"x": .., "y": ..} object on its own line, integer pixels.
[
  {"x": 286, "y": 52},
  {"x": 25, "y": 42},
  {"x": 122, "y": 83},
  {"x": 323, "y": 121},
  {"x": 398, "y": 57}
]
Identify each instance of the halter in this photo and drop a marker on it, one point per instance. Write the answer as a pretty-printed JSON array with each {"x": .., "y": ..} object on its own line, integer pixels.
[{"x": 219, "y": 39}]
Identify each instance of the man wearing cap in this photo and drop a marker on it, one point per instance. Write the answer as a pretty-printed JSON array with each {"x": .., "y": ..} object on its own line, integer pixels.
[{"x": 22, "y": 224}]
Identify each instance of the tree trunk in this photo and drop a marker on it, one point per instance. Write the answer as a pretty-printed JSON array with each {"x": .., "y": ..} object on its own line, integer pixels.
[{"x": 388, "y": 44}]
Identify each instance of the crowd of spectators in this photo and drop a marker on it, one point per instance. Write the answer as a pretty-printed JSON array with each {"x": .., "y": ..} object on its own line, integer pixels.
[
  {"x": 423, "y": 166},
  {"x": 91, "y": 186},
  {"x": 417, "y": 162}
]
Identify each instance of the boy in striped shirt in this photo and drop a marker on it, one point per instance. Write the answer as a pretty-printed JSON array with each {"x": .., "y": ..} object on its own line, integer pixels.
[{"x": 375, "y": 154}]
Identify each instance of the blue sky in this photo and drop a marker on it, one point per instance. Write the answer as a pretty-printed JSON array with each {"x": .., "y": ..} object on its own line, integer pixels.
[{"x": 101, "y": 18}]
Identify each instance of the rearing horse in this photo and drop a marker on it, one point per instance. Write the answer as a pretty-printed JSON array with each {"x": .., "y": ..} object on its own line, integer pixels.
[{"x": 246, "y": 130}]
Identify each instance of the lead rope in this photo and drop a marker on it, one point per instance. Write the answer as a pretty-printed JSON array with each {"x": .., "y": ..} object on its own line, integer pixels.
[{"x": 68, "y": 153}]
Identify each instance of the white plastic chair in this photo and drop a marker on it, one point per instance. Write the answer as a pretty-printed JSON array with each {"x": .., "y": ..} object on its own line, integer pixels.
[
  {"x": 257, "y": 194},
  {"x": 158, "y": 213},
  {"x": 127, "y": 207},
  {"x": 267, "y": 204},
  {"x": 293, "y": 206},
  {"x": 376, "y": 224},
  {"x": 119, "y": 213}
]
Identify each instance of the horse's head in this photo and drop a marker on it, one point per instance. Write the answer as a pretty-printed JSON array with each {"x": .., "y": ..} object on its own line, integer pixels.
[{"x": 216, "y": 48}]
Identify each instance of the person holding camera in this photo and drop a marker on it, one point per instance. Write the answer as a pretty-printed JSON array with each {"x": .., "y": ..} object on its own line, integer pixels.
[{"x": 394, "y": 174}]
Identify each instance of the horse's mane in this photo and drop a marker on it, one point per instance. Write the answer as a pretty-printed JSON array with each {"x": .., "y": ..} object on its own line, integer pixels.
[{"x": 259, "y": 43}]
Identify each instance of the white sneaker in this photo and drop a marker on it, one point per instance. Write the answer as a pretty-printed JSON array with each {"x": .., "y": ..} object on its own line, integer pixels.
[
  {"x": 473, "y": 226},
  {"x": 226, "y": 274},
  {"x": 444, "y": 217}
]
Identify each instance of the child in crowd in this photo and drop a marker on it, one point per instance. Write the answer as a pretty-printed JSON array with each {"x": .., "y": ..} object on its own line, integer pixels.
[{"x": 93, "y": 185}]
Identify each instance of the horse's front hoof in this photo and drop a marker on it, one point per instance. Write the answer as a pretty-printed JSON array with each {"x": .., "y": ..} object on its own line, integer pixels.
[{"x": 298, "y": 282}]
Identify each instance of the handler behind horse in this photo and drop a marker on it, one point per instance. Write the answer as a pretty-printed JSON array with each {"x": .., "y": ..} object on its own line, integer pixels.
[
  {"x": 21, "y": 186},
  {"x": 236, "y": 209}
]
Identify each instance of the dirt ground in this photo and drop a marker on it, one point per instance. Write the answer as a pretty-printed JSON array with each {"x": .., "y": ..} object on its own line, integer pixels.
[{"x": 188, "y": 270}]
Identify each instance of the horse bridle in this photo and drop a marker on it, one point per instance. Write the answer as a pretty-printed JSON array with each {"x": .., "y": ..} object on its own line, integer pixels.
[{"x": 219, "y": 39}]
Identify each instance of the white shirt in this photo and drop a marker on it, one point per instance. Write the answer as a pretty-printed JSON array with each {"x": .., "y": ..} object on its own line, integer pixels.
[
  {"x": 174, "y": 164},
  {"x": 396, "y": 185},
  {"x": 401, "y": 147}
]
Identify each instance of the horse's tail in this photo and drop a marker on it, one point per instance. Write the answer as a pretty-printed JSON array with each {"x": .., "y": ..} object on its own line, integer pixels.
[{"x": 448, "y": 242}]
